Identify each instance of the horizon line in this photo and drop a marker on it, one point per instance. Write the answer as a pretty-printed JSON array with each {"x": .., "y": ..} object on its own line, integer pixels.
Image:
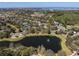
[{"x": 39, "y": 7}]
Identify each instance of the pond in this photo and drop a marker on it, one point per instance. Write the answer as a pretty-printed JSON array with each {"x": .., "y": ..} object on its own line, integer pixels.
[{"x": 49, "y": 42}]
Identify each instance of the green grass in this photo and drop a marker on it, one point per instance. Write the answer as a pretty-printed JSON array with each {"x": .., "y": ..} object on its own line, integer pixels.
[
  {"x": 64, "y": 47},
  {"x": 19, "y": 38},
  {"x": 11, "y": 39}
]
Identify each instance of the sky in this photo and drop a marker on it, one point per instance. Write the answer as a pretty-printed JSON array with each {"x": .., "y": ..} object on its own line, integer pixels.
[{"x": 38, "y": 4}]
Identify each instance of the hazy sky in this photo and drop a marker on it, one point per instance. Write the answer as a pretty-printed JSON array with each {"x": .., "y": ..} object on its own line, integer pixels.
[{"x": 38, "y": 4}]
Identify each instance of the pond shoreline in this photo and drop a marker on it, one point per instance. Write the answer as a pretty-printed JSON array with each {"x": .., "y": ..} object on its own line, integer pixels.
[{"x": 62, "y": 38}]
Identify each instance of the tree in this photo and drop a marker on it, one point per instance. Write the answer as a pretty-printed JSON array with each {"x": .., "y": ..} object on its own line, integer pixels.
[
  {"x": 4, "y": 34},
  {"x": 26, "y": 51},
  {"x": 49, "y": 52},
  {"x": 50, "y": 21},
  {"x": 6, "y": 52},
  {"x": 41, "y": 50}
]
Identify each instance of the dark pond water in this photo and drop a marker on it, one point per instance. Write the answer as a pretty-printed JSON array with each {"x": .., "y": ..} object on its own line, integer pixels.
[{"x": 52, "y": 43}]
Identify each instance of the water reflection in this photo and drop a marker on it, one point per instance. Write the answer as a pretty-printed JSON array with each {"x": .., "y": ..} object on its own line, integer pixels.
[{"x": 52, "y": 43}]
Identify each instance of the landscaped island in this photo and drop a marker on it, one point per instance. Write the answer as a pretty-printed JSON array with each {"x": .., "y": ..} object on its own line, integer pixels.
[{"x": 28, "y": 31}]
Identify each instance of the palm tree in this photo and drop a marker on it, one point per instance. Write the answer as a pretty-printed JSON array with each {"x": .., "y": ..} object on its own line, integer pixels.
[{"x": 50, "y": 21}]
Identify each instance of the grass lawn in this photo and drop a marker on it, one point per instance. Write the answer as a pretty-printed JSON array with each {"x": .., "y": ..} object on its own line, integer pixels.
[{"x": 64, "y": 47}]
